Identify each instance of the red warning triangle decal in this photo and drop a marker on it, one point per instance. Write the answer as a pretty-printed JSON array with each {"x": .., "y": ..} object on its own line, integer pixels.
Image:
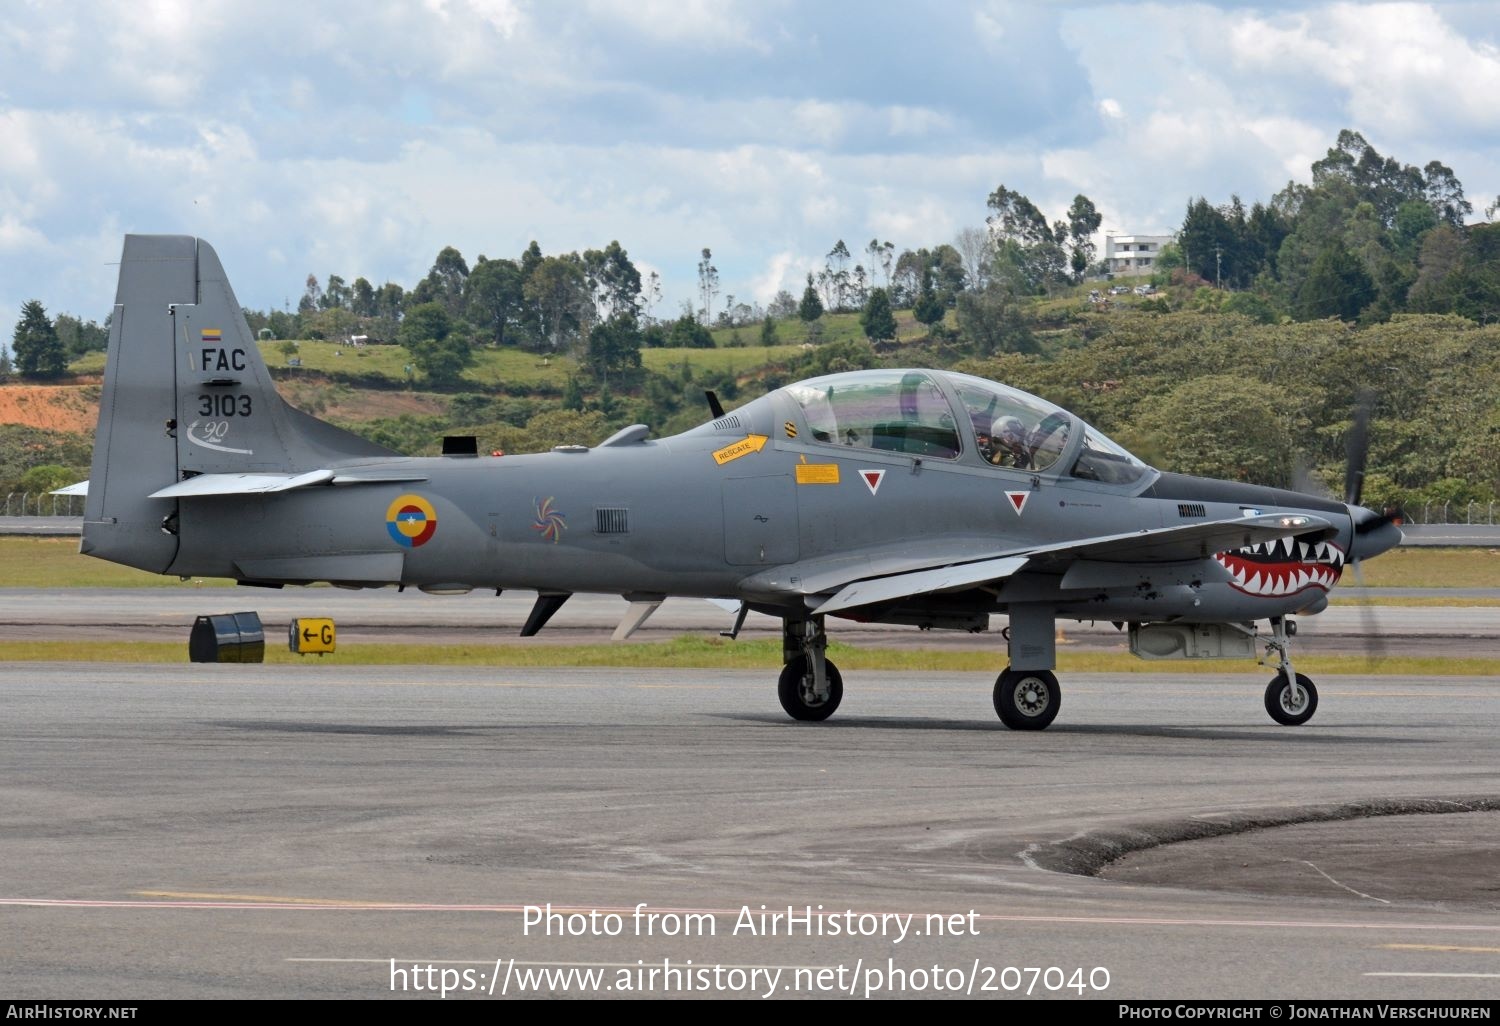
[
  {"x": 1018, "y": 500},
  {"x": 872, "y": 479}
]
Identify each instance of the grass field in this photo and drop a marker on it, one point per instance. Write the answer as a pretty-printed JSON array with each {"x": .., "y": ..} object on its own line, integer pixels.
[
  {"x": 56, "y": 563},
  {"x": 712, "y": 652}
]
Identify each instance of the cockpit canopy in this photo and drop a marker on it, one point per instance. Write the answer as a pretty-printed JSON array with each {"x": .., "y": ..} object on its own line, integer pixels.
[{"x": 946, "y": 416}]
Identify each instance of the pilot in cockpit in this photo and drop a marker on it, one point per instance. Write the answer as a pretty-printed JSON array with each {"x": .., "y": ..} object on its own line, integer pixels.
[{"x": 1007, "y": 443}]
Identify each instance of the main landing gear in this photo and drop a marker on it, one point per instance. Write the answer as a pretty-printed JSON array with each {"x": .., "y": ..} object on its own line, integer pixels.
[
  {"x": 1027, "y": 699},
  {"x": 1291, "y": 698},
  {"x": 810, "y": 687}
]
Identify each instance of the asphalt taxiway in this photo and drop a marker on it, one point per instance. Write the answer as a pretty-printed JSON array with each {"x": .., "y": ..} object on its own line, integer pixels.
[{"x": 324, "y": 831}]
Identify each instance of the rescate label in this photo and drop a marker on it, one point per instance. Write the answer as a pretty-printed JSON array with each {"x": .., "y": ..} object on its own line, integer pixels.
[
  {"x": 745, "y": 446},
  {"x": 307, "y": 636}
]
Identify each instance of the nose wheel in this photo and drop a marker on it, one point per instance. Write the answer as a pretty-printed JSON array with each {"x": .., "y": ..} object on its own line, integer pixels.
[
  {"x": 1027, "y": 699},
  {"x": 1291, "y": 705},
  {"x": 1291, "y": 698}
]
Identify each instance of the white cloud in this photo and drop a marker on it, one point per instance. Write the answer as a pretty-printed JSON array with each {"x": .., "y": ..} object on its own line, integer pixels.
[
  {"x": 361, "y": 137},
  {"x": 1401, "y": 66}
]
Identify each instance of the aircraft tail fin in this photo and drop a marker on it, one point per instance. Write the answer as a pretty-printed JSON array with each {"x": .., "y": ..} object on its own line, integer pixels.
[{"x": 186, "y": 393}]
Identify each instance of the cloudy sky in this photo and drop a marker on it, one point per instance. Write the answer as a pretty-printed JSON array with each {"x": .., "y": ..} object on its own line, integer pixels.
[{"x": 359, "y": 138}]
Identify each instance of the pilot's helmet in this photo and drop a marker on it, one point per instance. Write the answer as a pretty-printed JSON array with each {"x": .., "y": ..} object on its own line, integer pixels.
[{"x": 1009, "y": 430}]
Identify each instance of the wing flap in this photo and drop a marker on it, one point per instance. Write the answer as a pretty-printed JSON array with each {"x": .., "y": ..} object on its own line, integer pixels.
[{"x": 883, "y": 589}]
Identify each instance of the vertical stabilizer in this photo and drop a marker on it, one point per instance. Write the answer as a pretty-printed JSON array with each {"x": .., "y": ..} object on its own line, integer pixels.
[{"x": 186, "y": 393}]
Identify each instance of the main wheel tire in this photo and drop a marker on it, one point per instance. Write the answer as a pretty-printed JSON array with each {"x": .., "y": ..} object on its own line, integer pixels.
[
  {"x": 1288, "y": 706},
  {"x": 1027, "y": 699},
  {"x": 799, "y": 705}
]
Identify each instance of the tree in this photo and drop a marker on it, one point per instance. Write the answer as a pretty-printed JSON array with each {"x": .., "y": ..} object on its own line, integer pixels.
[
  {"x": 614, "y": 282},
  {"x": 312, "y": 295},
  {"x": 651, "y": 295},
  {"x": 39, "y": 352},
  {"x": 928, "y": 308},
  {"x": 876, "y": 318},
  {"x": 1031, "y": 249},
  {"x": 363, "y": 301},
  {"x": 78, "y": 336},
  {"x": 811, "y": 307},
  {"x": 974, "y": 247},
  {"x": 990, "y": 321},
  {"x": 768, "y": 331},
  {"x": 1083, "y": 222},
  {"x": 495, "y": 297},
  {"x": 558, "y": 294},
  {"x": 838, "y": 275},
  {"x": 615, "y": 346},
  {"x": 882, "y": 255},
  {"x": 708, "y": 285},
  {"x": 1239, "y": 432},
  {"x": 444, "y": 282},
  {"x": 783, "y": 307},
  {"x": 687, "y": 333},
  {"x": 1337, "y": 286},
  {"x": 6, "y": 367},
  {"x": 336, "y": 294},
  {"x": 438, "y": 352}
]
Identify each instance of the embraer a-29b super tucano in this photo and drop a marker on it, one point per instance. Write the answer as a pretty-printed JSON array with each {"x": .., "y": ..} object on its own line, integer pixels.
[{"x": 885, "y": 496}]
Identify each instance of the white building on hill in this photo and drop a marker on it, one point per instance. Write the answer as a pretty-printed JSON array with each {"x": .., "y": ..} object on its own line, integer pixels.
[{"x": 1133, "y": 254}]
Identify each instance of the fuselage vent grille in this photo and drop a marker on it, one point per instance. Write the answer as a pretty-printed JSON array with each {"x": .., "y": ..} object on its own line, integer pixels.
[
  {"x": 729, "y": 423},
  {"x": 611, "y": 520},
  {"x": 1191, "y": 509}
]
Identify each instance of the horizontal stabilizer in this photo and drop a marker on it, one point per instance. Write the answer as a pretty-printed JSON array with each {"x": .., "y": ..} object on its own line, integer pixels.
[
  {"x": 81, "y": 488},
  {"x": 265, "y": 484}
]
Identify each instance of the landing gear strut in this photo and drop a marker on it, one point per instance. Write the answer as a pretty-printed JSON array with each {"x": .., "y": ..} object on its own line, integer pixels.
[
  {"x": 810, "y": 687},
  {"x": 1291, "y": 698}
]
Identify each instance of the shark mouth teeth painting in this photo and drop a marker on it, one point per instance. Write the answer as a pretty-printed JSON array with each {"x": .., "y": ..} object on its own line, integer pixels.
[{"x": 1284, "y": 566}]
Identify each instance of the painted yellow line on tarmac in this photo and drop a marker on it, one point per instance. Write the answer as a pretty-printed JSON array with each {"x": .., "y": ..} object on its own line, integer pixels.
[
  {"x": 1439, "y": 947},
  {"x": 250, "y": 898}
]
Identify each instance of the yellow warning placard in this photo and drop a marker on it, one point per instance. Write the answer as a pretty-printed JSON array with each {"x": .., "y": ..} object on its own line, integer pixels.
[
  {"x": 817, "y": 473},
  {"x": 306, "y": 636},
  {"x": 746, "y": 445}
]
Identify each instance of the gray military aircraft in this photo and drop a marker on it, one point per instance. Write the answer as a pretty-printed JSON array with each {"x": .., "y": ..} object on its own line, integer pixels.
[{"x": 893, "y": 496}]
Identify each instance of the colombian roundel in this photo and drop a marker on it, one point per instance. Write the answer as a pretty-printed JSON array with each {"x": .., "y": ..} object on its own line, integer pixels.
[{"x": 411, "y": 520}]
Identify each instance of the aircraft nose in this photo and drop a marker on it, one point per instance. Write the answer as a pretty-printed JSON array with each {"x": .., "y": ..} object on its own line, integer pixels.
[{"x": 1373, "y": 533}]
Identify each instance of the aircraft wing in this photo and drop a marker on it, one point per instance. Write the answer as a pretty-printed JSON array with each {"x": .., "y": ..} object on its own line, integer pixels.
[
  {"x": 1189, "y": 541},
  {"x": 851, "y": 588}
]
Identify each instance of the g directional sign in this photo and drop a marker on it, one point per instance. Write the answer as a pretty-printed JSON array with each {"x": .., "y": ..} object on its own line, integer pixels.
[{"x": 306, "y": 636}]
